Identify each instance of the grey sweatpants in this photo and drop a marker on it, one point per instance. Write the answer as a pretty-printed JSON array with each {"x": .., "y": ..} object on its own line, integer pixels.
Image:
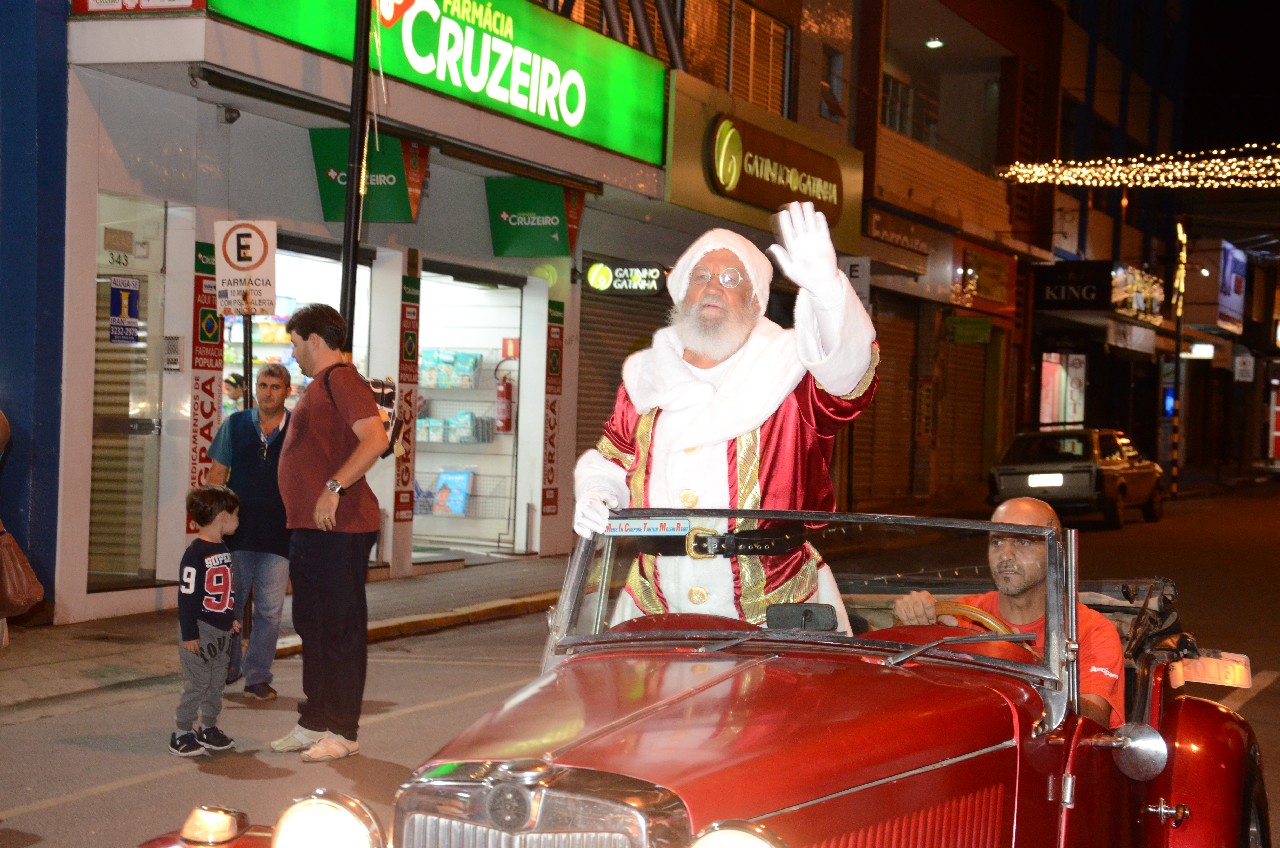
[{"x": 204, "y": 677}]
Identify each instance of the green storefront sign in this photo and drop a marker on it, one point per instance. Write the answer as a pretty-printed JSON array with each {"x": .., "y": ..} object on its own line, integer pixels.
[
  {"x": 526, "y": 217},
  {"x": 395, "y": 172},
  {"x": 507, "y": 56}
]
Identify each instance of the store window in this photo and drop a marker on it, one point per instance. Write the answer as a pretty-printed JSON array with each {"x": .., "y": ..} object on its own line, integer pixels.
[
  {"x": 301, "y": 278},
  {"x": 942, "y": 87},
  {"x": 467, "y": 430},
  {"x": 1062, "y": 388},
  {"x": 728, "y": 43}
]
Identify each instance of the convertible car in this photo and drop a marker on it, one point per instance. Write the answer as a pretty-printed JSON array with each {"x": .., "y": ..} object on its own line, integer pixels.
[{"x": 781, "y": 727}]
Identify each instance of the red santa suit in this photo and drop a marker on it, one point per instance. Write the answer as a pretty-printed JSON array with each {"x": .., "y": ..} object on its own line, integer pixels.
[{"x": 753, "y": 432}]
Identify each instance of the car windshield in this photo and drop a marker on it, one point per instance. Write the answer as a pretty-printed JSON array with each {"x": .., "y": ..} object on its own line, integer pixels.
[
  {"x": 638, "y": 583},
  {"x": 1046, "y": 447}
]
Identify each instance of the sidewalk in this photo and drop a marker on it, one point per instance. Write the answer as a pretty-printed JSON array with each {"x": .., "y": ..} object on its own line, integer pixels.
[{"x": 49, "y": 662}]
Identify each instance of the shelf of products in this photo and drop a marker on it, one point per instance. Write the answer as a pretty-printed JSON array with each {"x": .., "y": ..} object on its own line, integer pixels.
[{"x": 461, "y": 493}]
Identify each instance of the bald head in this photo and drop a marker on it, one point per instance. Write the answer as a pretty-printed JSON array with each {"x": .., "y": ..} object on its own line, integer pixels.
[{"x": 1030, "y": 512}]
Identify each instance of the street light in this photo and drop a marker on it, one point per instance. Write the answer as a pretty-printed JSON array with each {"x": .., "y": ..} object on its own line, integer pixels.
[{"x": 1179, "y": 289}]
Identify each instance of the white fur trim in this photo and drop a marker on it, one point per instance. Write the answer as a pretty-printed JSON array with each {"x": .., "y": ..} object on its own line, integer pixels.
[{"x": 753, "y": 259}]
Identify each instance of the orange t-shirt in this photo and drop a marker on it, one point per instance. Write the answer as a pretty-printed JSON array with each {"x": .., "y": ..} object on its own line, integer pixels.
[{"x": 1101, "y": 659}]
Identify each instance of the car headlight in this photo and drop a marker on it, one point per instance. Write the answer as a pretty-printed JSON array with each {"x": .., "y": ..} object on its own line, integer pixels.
[
  {"x": 327, "y": 818},
  {"x": 736, "y": 834},
  {"x": 213, "y": 825}
]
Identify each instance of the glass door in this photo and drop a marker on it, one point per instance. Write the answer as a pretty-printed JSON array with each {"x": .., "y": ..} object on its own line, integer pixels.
[{"x": 128, "y": 362}]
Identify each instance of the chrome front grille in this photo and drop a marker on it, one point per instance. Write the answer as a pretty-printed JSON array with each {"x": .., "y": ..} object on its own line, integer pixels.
[
  {"x": 422, "y": 831},
  {"x": 535, "y": 804}
]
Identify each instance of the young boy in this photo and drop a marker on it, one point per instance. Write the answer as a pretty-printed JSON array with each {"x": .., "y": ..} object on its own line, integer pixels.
[{"x": 206, "y": 621}]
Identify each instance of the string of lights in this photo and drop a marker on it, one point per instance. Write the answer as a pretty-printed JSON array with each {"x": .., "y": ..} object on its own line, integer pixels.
[{"x": 1250, "y": 166}]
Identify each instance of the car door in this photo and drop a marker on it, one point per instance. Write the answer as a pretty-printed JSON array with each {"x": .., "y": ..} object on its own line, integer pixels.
[
  {"x": 1098, "y": 802},
  {"x": 1112, "y": 465},
  {"x": 1140, "y": 473}
]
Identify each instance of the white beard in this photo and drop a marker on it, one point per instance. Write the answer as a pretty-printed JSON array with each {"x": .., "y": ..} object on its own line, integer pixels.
[{"x": 716, "y": 339}]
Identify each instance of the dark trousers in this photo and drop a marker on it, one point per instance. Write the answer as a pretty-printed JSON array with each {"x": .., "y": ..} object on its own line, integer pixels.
[{"x": 328, "y": 571}]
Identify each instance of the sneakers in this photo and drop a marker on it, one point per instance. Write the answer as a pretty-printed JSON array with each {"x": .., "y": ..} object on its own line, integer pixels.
[
  {"x": 185, "y": 745},
  {"x": 214, "y": 739},
  {"x": 331, "y": 747},
  {"x": 298, "y": 739},
  {"x": 261, "y": 691},
  {"x": 233, "y": 676}
]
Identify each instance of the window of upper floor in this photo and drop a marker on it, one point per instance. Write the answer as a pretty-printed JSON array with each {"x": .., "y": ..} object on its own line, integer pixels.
[
  {"x": 732, "y": 44},
  {"x": 946, "y": 95}
]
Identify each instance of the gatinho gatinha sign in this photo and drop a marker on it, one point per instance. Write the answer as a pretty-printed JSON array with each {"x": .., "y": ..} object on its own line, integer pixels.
[
  {"x": 507, "y": 56},
  {"x": 756, "y": 166}
]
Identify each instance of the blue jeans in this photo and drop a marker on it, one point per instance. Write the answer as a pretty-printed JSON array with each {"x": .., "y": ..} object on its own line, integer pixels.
[{"x": 268, "y": 576}]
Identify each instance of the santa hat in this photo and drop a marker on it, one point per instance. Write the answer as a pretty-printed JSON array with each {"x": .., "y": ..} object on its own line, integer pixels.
[{"x": 756, "y": 264}]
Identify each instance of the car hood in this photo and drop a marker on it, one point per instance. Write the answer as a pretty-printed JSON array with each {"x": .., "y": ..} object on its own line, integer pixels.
[{"x": 790, "y": 728}]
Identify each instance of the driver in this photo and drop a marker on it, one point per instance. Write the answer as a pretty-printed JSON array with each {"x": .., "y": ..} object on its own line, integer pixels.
[{"x": 1018, "y": 569}]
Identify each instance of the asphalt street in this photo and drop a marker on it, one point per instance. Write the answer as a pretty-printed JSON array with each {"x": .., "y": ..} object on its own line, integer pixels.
[{"x": 91, "y": 766}]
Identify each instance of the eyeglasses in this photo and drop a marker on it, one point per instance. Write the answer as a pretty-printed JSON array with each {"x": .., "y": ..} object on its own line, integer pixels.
[{"x": 729, "y": 277}]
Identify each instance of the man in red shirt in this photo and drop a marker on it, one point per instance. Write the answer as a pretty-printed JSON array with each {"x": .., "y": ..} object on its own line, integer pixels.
[
  {"x": 1018, "y": 569},
  {"x": 334, "y": 436}
]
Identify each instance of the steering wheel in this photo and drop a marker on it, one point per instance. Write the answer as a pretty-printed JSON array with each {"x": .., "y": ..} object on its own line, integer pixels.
[{"x": 974, "y": 614}]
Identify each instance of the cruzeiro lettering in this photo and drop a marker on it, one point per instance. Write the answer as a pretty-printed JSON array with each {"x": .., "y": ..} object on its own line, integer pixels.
[
  {"x": 474, "y": 48},
  {"x": 798, "y": 181},
  {"x": 530, "y": 219}
]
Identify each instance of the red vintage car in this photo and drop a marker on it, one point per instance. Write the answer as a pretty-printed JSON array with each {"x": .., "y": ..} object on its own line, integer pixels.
[{"x": 778, "y": 728}]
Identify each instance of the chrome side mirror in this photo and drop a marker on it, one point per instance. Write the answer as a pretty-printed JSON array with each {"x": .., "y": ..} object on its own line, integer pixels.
[{"x": 1139, "y": 750}]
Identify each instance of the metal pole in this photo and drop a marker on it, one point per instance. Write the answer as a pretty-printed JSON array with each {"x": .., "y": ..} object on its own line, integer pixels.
[
  {"x": 644, "y": 35},
  {"x": 355, "y": 167},
  {"x": 247, "y": 326},
  {"x": 670, "y": 33},
  {"x": 609, "y": 10},
  {"x": 1175, "y": 434}
]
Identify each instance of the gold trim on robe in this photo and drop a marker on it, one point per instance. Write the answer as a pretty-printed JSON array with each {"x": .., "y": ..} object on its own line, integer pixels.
[
  {"x": 640, "y": 581},
  {"x": 644, "y": 439},
  {"x": 867, "y": 377},
  {"x": 614, "y": 453}
]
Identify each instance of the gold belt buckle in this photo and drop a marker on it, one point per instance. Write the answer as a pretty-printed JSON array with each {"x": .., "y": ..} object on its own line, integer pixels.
[{"x": 691, "y": 539}]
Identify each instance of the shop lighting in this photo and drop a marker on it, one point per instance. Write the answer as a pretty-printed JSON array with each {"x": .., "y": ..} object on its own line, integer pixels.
[
  {"x": 1250, "y": 166},
  {"x": 933, "y": 43},
  {"x": 1199, "y": 350}
]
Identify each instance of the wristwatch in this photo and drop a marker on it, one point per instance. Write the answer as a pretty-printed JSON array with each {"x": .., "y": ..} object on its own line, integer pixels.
[{"x": 335, "y": 487}]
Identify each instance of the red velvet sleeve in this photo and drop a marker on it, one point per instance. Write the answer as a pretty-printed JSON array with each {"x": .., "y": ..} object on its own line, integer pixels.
[
  {"x": 618, "y": 441},
  {"x": 828, "y": 413}
]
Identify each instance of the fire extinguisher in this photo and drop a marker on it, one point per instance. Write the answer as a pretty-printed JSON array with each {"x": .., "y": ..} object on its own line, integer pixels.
[{"x": 503, "y": 417}]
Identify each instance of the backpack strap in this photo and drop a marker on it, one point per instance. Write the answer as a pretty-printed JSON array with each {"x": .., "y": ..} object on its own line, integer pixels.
[{"x": 325, "y": 380}]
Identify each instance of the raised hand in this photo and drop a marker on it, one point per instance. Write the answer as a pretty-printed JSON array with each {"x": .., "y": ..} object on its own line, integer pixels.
[{"x": 805, "y": 253}]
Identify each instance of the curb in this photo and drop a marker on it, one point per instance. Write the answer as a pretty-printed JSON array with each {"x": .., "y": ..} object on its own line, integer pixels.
[{"x": 416, "y": 625}]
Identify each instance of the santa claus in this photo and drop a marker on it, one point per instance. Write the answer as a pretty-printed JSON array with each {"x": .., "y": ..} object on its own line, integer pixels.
[{"x": 727, "y": 410}]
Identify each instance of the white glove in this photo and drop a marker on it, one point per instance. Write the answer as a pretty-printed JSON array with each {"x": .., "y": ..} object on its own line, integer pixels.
[
  {"x": 591, "y": 515},
  {"x": 805, "y": 253}
]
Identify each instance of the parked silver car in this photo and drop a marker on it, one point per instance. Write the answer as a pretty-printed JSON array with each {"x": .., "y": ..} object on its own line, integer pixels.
[{"x": 1080, "y": 470}]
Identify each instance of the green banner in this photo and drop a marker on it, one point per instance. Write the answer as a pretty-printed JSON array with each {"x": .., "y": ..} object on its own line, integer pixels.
[
  {"x": 205, "y": 261},
  {"x": 507, "y": 56},
  {"x": 393, "y": 184},
  {"x": 526, "y": 217}
]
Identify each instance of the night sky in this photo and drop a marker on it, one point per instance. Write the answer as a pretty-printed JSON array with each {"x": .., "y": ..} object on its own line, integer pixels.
[{"x": 1233, "y": 75}]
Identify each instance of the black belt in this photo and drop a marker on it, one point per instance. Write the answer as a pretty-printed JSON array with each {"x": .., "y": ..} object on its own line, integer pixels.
[{"x": 700, "y": 543}]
